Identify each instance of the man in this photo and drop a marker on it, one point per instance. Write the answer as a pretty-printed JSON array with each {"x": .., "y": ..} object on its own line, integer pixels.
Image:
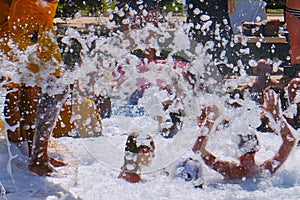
[{"x": 262, "y": 71}]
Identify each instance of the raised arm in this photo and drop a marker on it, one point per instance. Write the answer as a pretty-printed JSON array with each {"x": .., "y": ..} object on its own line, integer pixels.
[
  {"x": 272, "y": 109},
  {"x": 206, "y": 122},
  {"x": 230, "y": 170}
]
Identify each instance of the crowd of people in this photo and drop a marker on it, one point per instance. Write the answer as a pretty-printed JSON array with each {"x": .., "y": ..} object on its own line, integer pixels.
[
  {"x": 34, "y": 100},
  {"x": 279, "y": 108}
]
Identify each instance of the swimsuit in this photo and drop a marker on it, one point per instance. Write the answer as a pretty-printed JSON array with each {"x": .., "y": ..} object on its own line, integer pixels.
[{"x": 295, "y": 12}]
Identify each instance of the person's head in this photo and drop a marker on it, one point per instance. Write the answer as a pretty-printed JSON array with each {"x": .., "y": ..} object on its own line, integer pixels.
[
  {"x": 263, "y": 68},
  {"x": 150, "y": 54},
  {"x": 248, "y": 144},
  {"x": 190, "y": 170},
  {"x": 139, "y": 150}
]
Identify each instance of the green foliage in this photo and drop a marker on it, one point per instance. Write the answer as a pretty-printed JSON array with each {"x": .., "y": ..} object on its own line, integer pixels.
[
  {"x": 68, "y": 8},
  {"x": 275, "y": 11},
  {"x": 108, "y": 5},
  {"x": 275, "y": 4},
  {"x": 173, "y": 6},
  {"x": 275, "y": 1}
]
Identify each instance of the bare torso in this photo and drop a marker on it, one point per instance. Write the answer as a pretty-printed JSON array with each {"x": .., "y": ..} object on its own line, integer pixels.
[{"x": 294, "y": 4}]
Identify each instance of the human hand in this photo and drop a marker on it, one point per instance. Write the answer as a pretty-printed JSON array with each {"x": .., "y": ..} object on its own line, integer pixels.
[{"x": 272, "y": 104}]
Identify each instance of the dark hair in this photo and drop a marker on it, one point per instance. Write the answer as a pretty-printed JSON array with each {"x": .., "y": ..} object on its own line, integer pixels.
[
  {"x": 132, "y": 149},
  {"x": 236, "y": 93},
  {"x": 190, "y": 77},
  {"x": 245, "y": 140},
  {"x": 132, "y": 146}
]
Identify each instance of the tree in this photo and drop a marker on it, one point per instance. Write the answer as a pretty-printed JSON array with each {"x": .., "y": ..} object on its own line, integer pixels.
[{"x": 68, "y": 8}]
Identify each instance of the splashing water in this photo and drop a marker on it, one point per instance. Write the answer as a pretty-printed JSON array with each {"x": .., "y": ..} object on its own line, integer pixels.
[
  {"x": 108, "y": 67},
  {"x": 105, "y": 65}
]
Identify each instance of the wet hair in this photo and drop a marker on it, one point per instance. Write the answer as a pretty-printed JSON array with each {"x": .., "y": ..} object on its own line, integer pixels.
[
  {"x": 248, "y": 143},
  {"x": 236, "y": 94},
  {"x": 235, "y": 97},
  {"x": 190, "y": 77},
  {"x": 189, "y": 170},
  {"x": 136, "y": 142}
]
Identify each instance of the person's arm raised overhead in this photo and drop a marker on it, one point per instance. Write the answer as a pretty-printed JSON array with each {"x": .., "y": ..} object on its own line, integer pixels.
[{"x": 272, "y": 109}]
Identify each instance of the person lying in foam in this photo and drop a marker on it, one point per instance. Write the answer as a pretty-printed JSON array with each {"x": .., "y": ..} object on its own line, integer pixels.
[{"x": 247, "y": 167}]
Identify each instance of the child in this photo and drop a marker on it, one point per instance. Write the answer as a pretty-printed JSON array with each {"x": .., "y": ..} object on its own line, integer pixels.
[
  {"x": 139, "y": 151},
  {"x": 249, "y": 145}
]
